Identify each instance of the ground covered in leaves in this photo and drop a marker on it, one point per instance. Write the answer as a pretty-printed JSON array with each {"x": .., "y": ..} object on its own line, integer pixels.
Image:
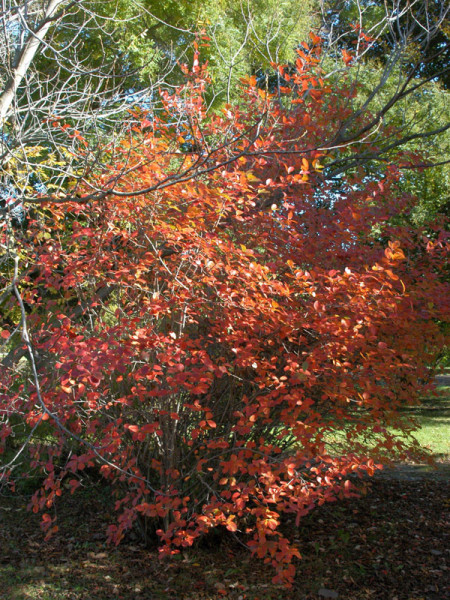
[{"x": 391, "y": 543}]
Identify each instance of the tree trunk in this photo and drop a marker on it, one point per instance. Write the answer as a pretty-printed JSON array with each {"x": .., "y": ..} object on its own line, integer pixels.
[{"x": 27, "y": 55}]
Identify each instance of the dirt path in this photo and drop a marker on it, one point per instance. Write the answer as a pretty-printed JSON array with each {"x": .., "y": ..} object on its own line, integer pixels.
[
  {"x": 442, "y": 380},
  {"x": 413, "y": 472}
]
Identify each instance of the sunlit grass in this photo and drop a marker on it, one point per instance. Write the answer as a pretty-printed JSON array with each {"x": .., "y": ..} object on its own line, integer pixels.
[{"x": 433, "y": 418}]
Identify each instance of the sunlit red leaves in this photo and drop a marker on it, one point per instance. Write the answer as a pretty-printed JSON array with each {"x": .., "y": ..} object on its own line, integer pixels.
[
  {"x": 347, "y": 57},
  {"x": 191, "y": 332}
]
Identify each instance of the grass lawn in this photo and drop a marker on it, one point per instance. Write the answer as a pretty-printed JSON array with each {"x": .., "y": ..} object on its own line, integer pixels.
[{"x": 434, "y": 418}]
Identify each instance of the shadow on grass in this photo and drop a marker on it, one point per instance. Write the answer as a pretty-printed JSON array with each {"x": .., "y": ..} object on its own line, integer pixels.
[{"x": 433, "y": 415}]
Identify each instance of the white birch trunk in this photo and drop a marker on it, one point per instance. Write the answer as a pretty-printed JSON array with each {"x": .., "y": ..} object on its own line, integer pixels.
[{"x": 28, "y": 53}]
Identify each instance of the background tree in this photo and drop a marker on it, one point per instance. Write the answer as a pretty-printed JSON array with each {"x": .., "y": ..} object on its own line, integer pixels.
[
  {"x": 405, "y": 50},
  {"x": 84, "y": 64},
  {"x": 420, "y": 26}
]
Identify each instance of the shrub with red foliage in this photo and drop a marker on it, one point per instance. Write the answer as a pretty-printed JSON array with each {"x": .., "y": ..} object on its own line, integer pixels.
[{"x": 206, "y": 340}]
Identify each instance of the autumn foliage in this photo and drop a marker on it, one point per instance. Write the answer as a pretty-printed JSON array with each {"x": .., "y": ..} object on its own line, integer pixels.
[{"x": 228, "y": 346}]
